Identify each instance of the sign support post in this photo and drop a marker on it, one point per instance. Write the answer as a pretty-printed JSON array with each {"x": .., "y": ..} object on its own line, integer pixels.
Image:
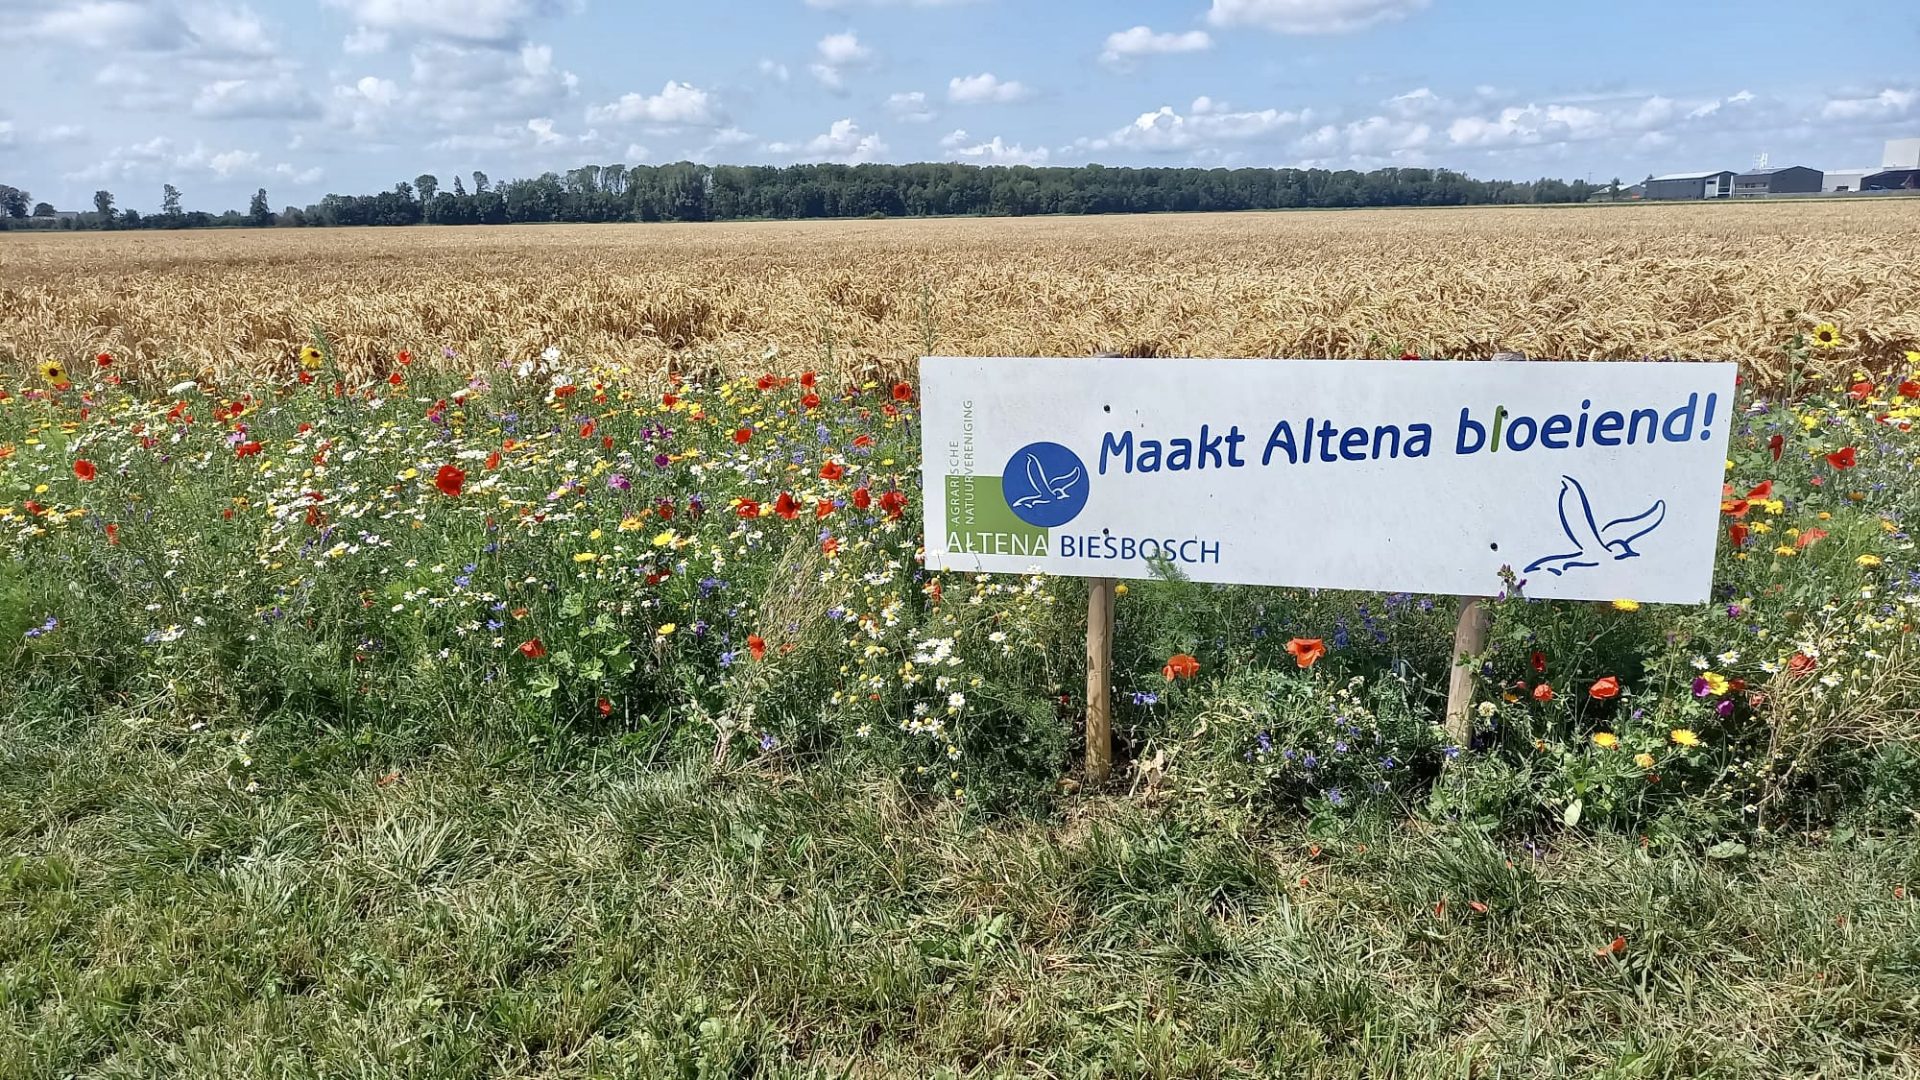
[
  {"x": 1100, "y": 595},
  {"x": 1469, "y": 639}
]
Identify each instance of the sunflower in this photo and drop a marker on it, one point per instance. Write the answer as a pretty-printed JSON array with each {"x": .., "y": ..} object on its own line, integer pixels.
[
  {"x": 55, "y": 374},
  {"x": 1826, "y": 335},
  {"x": 311, "y": 357}
]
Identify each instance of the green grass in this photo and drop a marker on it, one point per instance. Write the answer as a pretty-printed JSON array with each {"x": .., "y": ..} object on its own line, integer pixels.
[{"x": 475, "y": 918}]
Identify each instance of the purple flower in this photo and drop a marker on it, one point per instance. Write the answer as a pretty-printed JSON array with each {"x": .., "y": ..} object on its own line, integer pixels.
[
  {"x": 662, "y": 460},
  {"x": 1700, "y": 688},
  {"x": 1724, "y": 709},
  {"x": 619, "y": 482}
]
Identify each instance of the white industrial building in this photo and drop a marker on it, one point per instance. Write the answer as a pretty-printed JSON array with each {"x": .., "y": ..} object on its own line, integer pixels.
[{"x": 1897, "y": 154}]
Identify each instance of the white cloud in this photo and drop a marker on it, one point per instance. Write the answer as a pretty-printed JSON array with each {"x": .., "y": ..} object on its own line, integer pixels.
[
  {"x": 636, "y": 152},
  {"x": 985, "y": 88},
  {"x": 678, "y": 104},
  {"x": 832, "y": 5},
  {"x": 364, "y": 41},
  {"x": 911, "y": 106},
  {"x": 537, "y": 134},
  {"x": 775, "y": 70},
  {"x": 1529, "y": 125},
  {"x": 478, "y": 22},
  {"x": 1371, "y": 140},
  {"x": 842, "y": 142},
  {"x": 1310, "y": 16},
  {"x": 188, "y": 30},
  {"x": 1206, "y": 124},
  {"x": 1125, "y": 46},
  {"x": 159, "y": 158},
  {"x": 837, "y": 54},
  {"x": 280, "y": 97},
  {"x": 1420, "y": 102},
  {"x": 992, "y": 152},
  {"x": 1888, "y": 104}
]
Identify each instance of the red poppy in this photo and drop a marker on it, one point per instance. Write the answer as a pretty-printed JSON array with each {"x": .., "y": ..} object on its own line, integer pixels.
[
  {"x": 742, "y": 435},
  {"x": 1306, "y": 651},
  {"x": 1735, "y": 508},
  {"x": 748, "y": 509},
  {"x": 902, "y": 391},
  {"x": 532, "y": 649},
  {"x": 830, "y": 545},
  {"x": 605, "y": 707},
  {"x": 811, "y": 401},
  {"x": 862, "y": 498},
  {"x": 606, "y": 442},
  {"x": 1775, "y": 444},
  {"x": 404, "y": 357},
  {"x": 1801, "y": 665},
  {"x": 1605, "y": 689},
  {"x": 395, "y": 379},
  {"x": 1810, "y": 537},
  {"x": 894, "y": 503},
  {"x": 823, "y": 508},
  {"x": 586, "y": 430},
  {"x": 1910, "y": 390},
  {"x": 786, "y": 506},
  {"x": 757, "y": 645},
  {"x": 1763, "y": 490},
  {"x": 113, "y": 534},
  {"x": 565, "y": 391},
  {"x": 84, "y": 469},
  {"x": 832, "y": 470},
  {"x": 450, "y": 480},
  {"x": 864, "y": 440},
  {"x": 807, "y": 379},
  {"x": 1543, "y": 693},
  {"x": 1180, "y": 666},
  {"x": 669, "y": 400},
  {"x": 1860, "y": 391},
  {"x": 1738, "y": 535},
  {"x": 247, "y": 449},
  {"x": 493, "y": 460},
  {"x": 306, "y": 378},
  {"x": 104, "y": 359},
  {"x": 1539, "y": 661},
  {"x": 1843, "y": 458},
  {"x": 767, "y": 382}
]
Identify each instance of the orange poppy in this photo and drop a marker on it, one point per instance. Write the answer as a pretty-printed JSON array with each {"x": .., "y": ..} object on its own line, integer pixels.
[
  {"x": 1737, "y": 534},
  {"x": 1306, "y": 651},
  {"x": 1605, "y": 689},
  {"x": 532, "y": 649},
  {"x": 757, "y": 645},
  {"x": 832, "y": 470},
  {"x": 84, "y": 469},
  {"x": 902, "y": 391},
  {"x": 1180, "y": 666},
  {"x": 1543, "y": 693}
]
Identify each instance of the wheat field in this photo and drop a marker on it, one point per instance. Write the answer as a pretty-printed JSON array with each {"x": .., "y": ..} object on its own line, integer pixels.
[{"x": 1686, "y": 280}]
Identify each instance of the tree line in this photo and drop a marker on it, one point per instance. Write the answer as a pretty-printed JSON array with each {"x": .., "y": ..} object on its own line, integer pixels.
[{"x": 688, "y": 192}]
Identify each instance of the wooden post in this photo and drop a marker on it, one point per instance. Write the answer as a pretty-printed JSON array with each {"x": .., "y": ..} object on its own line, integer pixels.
[
  {"x": 1099, "y": 680},
  {"x": 1469, "y": 639}
]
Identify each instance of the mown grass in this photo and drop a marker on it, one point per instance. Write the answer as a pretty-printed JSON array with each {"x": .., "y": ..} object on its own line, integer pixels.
[{"x": 479, "y": 915}]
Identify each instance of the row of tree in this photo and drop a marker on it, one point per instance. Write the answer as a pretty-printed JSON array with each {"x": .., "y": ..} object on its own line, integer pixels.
[{"x": 688, "y": 192}]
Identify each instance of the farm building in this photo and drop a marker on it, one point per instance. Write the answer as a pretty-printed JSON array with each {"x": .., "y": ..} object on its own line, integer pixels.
[
  {"x": 1834, "y": 180},
  {"x": 1698, "y": 185},
  {"x": 1892, "y": 180},
  {"x": 1901, "y": 154},
  {"x": 1785, "y": 180}
]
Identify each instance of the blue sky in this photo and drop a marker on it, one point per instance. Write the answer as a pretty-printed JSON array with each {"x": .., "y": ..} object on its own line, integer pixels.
[{"x": 302, "y": 97}]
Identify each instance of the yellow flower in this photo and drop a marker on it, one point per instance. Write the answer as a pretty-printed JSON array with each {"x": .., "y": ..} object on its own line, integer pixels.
[
  {"x": 1685, "y": 737},
  {"x": 1645, "y": 761},
  {"x": 311, "y": 357},
  {"x": 1626, "y": 605},
  {"x": 630, "y": 523},
  {"x": 1826, "y": 335},
  {"x": 1785, "y": 550},
  {"x": 667, "y": 629},
  {"x": 1868, "y": 561},
  {"x": 665, "y": 539},
  {"x": 585, "y": 556},
  {"x": 1120, "y": 589},
  {"x": 1913, "y": 356},
  {"x": 1716, "y": 682},
  {"x": 1605, "y": 740},
  {"x": 55, "y": 375}
]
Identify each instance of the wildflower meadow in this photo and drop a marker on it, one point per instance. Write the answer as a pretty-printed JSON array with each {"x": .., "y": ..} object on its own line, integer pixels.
[{"x": 476, "y": 714}]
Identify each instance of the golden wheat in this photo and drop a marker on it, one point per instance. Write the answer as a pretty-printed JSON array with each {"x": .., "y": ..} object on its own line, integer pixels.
[{"x": 1691, "y": 281}]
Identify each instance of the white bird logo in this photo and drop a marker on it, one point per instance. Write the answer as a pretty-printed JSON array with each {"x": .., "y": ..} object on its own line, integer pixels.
[
  {"x": 1594, "y": 542},
  {"x": 1045, "y": 489}
]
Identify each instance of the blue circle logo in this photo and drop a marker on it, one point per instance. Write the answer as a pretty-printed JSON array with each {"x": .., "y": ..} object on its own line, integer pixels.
[{"x": 1045, "y": 484}]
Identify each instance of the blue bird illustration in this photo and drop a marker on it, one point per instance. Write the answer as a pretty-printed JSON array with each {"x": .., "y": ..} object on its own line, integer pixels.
[
  {"x": 1595, "y": 543},
  {"x": 1046, "y": 490}
]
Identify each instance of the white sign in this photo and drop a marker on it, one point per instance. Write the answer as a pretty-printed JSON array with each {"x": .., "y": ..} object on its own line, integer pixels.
[{"x": 1592, "y": 481}]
